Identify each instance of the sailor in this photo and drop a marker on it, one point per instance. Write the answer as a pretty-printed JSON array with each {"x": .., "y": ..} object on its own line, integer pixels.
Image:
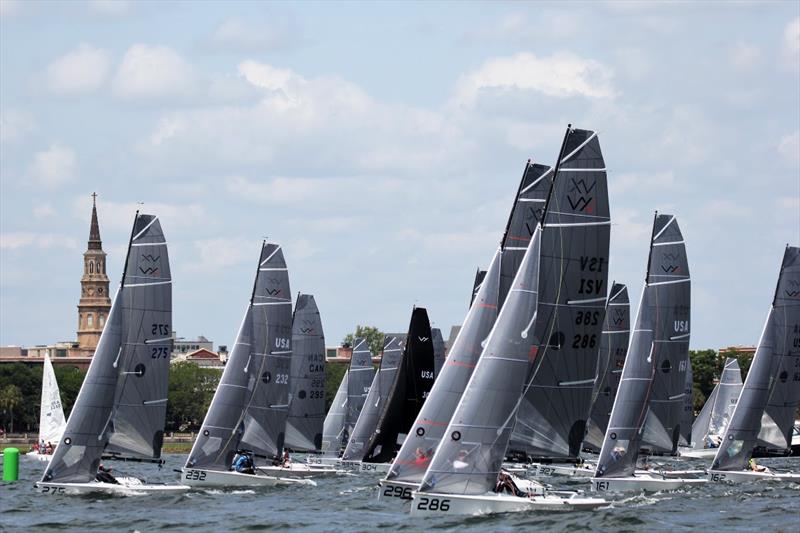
[
  {"x": 104, "y": 475},
  {"x": 287, "y": 461},
  {"x": 243, "y": 464},
  {"x": 752, "y": 465},
  {"x": 505, "y": 483},
  {"x": 460, "y": 460}
]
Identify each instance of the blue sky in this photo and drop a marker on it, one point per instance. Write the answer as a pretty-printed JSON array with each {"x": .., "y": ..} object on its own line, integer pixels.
[{"x": 382, "y": 143}]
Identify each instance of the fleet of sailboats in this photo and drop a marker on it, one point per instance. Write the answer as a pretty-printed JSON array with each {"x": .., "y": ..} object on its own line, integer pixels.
[{"x": 546, "y": 368}]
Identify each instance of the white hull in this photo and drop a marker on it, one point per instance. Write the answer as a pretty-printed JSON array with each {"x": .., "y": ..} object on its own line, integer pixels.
[
  {"x": 396, "y": 490},
  {"x": 642, "y": 483},
  {"x": 36, "y": 456},
  {"x": 721, "y": 476},
  {"x": 126, "y": 487},
  {"x": 212, "y": 478},
  {"x": 322, "y": 460},
  {"x": 449, "y": 504},
  {"x": 300, "y": 470},
  {"x": 584, "y": 470},
  {"x": 707, "y": 453},
  {"x": 360, "y": 466}
]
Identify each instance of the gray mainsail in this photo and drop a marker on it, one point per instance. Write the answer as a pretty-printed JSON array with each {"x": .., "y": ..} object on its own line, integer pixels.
[
  {"x": 428, "y": 429},
  {"x": 710, "y": 424},
  {"x": 662, "y": 322},
  {"x": 360, "y": 378},
  {"x": 244, "y": 412},
  {"x": 307, "y": 380},
  {"x": 525, "y": 214},
  {"x": 662, "y": 427},
  {"x": 412, "y": 383},
  {"x": 573, "y": 273},
  {"x": 333, "y": 428},
  {"x": 377, "y": 397},
  {"x": 613, "y": 348},
  {"x": 469, "y": 456},
  {"x": 438, "y": 350},
  {"x": 479, "y": 276},
  {"x": 121, "y": 406},
  {"x": 777, "y": 351}
]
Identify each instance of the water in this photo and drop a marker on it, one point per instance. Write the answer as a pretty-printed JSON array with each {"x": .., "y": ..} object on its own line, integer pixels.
[{"x": 349, "y": 503}]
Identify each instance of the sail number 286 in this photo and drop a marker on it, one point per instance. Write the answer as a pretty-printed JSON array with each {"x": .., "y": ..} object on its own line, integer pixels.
[{"x": 433, "y": 504}]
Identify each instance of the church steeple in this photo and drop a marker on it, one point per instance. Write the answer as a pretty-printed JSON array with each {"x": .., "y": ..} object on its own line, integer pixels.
[
  {"x": 95, "y": 303},
  {"x": 94, "y": 231}
]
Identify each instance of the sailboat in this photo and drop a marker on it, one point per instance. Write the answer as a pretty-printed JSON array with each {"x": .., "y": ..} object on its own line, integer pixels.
[
  {"x": 347, "y": 404},
  {"x": 465, "y": 474},
  {"x": 373, "y": 406},
  {"x": 661, "y": 330},
  {"x": 687, "y": 416},
  {"x": 771, "y": 381},
  {"x": 51, "y": 414},
  {"x": 307, "y": 379},
  {"x": 438, "y": 350},
  {"x": 414, "y": 457},
  {"x": 407, "y": 393},
  {"x": 710, "y": 425},
  {"x": 121, "y": 407},
  {"x": 247, "y": 415},
  {"x": 551, "y": 422}
]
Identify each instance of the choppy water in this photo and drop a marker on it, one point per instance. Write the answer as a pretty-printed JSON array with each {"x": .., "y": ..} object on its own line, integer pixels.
[{"x": 349, "y": 503}]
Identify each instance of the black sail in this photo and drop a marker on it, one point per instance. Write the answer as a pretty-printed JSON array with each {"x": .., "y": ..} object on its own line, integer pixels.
[
  {"x": 660, "y": 332},
  {"x": 479, "y": 276},
  {"x": 307, "y": 380},
  {"x": 412, "y": 383},
  {"x": 613, "y": 349},
  {"x": 248, "y": 410},
  {"x": 376, "y": 399},
  {"x": 778, "y": 350},
  {"x": 525, "y": 214},
  {"x": 573, "y": 279},
  {"x": 121, "y": 406}
]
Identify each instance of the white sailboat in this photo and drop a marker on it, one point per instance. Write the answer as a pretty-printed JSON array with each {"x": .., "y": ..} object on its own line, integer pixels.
[
  {"x": 51, "y": 414},
  {"x": 771, "y": 381}
]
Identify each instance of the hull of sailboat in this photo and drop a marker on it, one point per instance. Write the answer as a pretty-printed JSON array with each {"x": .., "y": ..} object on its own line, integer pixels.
[
  {"x": 36, "y": 456},
  {"x": 396, "y": 490},
  {"x": 449, "y": 504},
  {"x": 707, "y": 453},
  {"x": 322, "y": 460},
  {"x": 724, "y": 476},
  {"x": 360, "y": 466},
  {"x": 584, "y": 470},
  {"x": 126, "y": 487},
  {"x": 642, "y": 483},
  {"x": 212, "y": 478},
  {"x": 300, "y": 470}
]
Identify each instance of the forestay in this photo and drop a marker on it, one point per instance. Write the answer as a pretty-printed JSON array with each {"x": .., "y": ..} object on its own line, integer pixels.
[
  {"x": 248, "y": 410},
  {"x": 412, "y": 383},
  {"x": 662, "y": 321},
  {"x": 469, "y": 457},
  {"x": 376, "y": 399},
  {"x": 775, "y": 361},
  {"x": 427, "y": 430},
  {"x": 307, "y": 380},
  {"x": 573, "y": 281},
  {"x": 122, "y": 403},
  {"x": 613, "y": 348}
]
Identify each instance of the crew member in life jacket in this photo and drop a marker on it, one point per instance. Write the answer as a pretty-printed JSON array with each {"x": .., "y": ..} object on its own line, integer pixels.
[
  {"x": 243, "y": 463},
  {"x": 104, "y": 475}
]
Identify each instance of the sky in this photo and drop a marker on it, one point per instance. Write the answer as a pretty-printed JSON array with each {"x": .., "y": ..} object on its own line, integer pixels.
[{"x": 381, "y": 144}]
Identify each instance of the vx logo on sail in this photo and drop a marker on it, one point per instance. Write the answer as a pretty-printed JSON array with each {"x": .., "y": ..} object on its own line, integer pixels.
[
  {"x": 580, "y": 202},
  {"x": 423, "y": 339}
]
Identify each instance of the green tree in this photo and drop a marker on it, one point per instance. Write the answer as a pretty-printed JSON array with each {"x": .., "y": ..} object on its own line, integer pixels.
[
  {"x": 10, "y": 398},
  {"x": 744, "y": 359},
  {"x": 191, "y": 389},
  {"x": 28, "y": 380},
  {"x": 706, "y": 368},
  {"x": 371, "y": 334},
  {"x": 334, "y": 373},
  {"x": 69, "y": 380}
]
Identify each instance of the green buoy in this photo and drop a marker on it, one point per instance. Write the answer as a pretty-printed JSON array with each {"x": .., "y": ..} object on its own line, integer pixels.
[{"x": 10, "y": 464}]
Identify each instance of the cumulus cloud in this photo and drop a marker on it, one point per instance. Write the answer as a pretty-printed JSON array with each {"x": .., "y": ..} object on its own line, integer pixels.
[
  {"x": 53, "y": 167},
  {"x": 15, "y": 125},
  {"x": 561, "y": 75},
  {"x": 152, "y": 72},
  {"x": 789, "y": 147},
  {"x": 238, "y": 35},
  {"x": 744, "y": 55},
  {"x": 791, "y": 44},
  {"x": 22, "y": 239},
  {"x": 82, "y": 70},
  {"x": 220, "y": 253}
]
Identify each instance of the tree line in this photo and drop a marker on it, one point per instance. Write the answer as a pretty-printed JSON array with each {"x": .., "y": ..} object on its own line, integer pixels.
[{"x": 191, "y": 389}]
